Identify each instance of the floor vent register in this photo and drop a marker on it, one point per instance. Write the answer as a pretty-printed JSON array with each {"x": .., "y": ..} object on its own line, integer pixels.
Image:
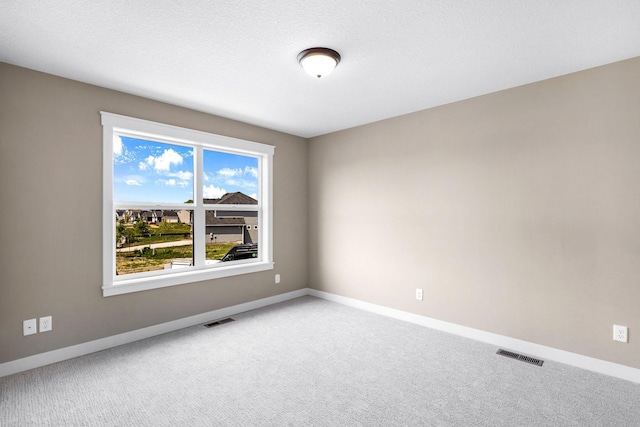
[
  {"x": 218, "y": 322},
  {"x": 520, "y": 357}
]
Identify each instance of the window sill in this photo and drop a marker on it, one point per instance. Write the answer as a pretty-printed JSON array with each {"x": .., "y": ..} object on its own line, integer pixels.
[{"x": 147, "y": 283}]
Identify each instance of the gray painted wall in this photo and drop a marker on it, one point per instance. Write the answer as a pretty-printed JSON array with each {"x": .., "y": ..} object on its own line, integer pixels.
[
  {"x": 517, "y": 212},
  {"x": 51, "y": 168}
]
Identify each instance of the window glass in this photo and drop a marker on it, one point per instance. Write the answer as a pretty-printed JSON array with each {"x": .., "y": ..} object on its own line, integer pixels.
[
  {"x": 229, "y": 178},
  {"x": 152, "y": 240},
  {"x": 149, "y": 171},
  {"x": 227, "y": 231}
]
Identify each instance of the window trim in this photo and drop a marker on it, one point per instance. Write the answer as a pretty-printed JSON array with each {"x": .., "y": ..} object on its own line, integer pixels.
[{"x": 114, "y": 123}]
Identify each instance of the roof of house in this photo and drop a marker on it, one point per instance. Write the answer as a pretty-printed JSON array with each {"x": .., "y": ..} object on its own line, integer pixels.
[
  {"x": 212, "y": 219},
  {"x": 237, "y": 198}
]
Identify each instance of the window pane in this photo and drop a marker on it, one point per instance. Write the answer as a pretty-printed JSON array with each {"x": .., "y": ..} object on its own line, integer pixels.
[
  {"x": 231, "y": 235},
  {"x": 150, "y": 240},
  {"x": 230, "y": 178},
  {"x": 149, "y": 171}
]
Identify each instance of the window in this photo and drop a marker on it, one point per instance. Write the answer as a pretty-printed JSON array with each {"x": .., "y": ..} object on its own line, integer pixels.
[{"x": 177, "y": 201}]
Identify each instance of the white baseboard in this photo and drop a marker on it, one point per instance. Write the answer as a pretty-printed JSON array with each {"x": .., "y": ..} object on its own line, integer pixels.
[
  {"x": 66, "y": 353},
  {"x": 520, "y": 346}
]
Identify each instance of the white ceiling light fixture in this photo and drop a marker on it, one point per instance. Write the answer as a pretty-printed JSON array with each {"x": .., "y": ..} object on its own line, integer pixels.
[{"x": 318, "y": 61}]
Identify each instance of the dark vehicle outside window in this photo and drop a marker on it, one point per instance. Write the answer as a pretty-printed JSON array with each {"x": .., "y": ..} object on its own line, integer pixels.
[{"x": 239, "y": 252}]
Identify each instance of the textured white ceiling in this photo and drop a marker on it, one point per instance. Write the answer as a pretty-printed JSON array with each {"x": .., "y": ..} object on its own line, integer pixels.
[{"x": 237, "y": 59}]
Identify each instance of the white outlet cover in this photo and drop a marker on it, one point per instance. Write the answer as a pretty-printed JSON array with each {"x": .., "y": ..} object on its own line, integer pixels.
[
  {"x": 620, "y": 333},
  {"x": 419, "y": 294},
  {"x": 29, "y": 327},
  {"x": 46, "y": 324}
]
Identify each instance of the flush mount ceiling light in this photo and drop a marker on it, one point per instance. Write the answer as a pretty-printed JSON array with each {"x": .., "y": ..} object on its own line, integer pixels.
[{"x": 318, "y": 61}]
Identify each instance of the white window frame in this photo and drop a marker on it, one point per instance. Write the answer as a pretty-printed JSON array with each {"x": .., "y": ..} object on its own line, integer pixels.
[{"x": 138, "y": 128}]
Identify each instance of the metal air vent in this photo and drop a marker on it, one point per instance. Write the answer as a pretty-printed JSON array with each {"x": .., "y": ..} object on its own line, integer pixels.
[
  {"x": 520, "y": 357},
  {"x": 218, "y": 322}
]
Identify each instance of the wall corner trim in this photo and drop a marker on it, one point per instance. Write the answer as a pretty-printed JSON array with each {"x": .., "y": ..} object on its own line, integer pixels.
[{"x": 540, "y": 351}]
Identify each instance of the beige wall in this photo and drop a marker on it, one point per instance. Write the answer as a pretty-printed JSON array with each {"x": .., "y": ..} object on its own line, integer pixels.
[
  {"x": 51, "y": 169},
  {"x": 517, "y": 212}
]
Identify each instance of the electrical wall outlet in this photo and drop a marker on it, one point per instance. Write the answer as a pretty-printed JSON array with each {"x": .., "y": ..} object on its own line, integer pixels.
[
  {"x": 419, "y": 294},
  {"x": 620, "y": 333},
  {"x": 29, "y": 327},
  {"x": 277, "y": 278},
  {"x": 46, "y": 324}
]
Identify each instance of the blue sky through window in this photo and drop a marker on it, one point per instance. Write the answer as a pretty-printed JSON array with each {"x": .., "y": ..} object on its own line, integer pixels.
[
  {"x": 229, "y": 173},
  {"x": 149, "y": 171}
]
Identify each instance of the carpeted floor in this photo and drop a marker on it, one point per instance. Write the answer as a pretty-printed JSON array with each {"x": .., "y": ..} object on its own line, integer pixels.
[{"x": 310, "y": 362}]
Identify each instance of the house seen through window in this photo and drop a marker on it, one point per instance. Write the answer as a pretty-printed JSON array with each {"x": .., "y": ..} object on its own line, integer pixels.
[{"x": 182, "y": 205}]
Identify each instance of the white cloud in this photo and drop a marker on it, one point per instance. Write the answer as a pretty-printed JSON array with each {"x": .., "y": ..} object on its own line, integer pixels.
[
  {"x": 164, "y": 161},
  {"x": 243, "y": 178},
  {"x": 242, "y": 183},
  {"x": 142, "y": 166},
  {"x": 229, "y": 173},
  {"x": 183, "y": 181},
  {"x": 253, "y": 195},
  {"x": 174, "y": 183},
  {"x": 213, "y": 192},
  {"x": 133, "y": 182},
  {"x": 248, "y": 170},
  {"x": 183, "y": 175},
  {"x": 117, "y": 145}
]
